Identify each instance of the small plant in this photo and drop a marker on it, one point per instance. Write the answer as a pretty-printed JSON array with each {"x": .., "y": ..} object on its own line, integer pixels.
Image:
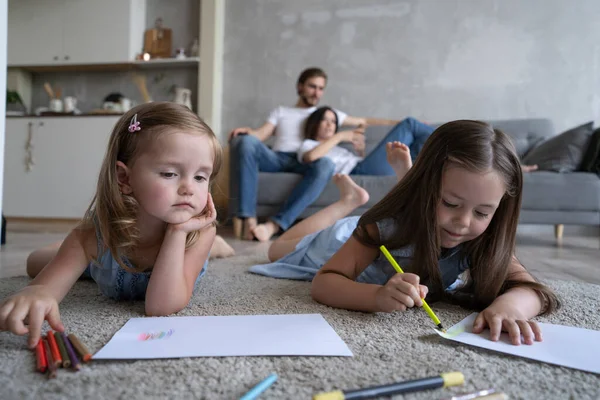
[{"x": 12, "y": 97}]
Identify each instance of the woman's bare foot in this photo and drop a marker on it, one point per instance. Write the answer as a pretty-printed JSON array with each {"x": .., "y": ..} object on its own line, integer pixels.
[
  {"x": 264, "y": 232},
  {"x": 249, "y": 225},
  {"x": 529, "y": 168},
  {"x": 398, "y": 156},
  {"x": 350, "y": 193},
  {"x": 221, "y": 249}
]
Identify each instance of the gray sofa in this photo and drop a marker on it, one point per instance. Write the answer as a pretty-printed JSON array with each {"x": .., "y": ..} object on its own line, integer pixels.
[{"x": 548, "y": 197}]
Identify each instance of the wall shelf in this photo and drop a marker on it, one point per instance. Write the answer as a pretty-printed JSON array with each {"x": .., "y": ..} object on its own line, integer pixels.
[{"x": 128, "y": 66}]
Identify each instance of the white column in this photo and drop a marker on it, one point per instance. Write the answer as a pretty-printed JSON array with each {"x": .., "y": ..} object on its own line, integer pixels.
[
  {"x": 3, "y": 64},
  {"x": 210, "y": 82}
]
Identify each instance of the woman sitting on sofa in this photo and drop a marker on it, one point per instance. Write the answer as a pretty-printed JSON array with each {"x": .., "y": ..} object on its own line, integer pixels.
[{"x": 322, "y": 140}]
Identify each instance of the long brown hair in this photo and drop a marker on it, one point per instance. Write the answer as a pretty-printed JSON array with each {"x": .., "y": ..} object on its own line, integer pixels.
[
  {"x": 412, "y": 204},
  {"x": 311, "y": 125},
  {"x": 113, "y": 213}
]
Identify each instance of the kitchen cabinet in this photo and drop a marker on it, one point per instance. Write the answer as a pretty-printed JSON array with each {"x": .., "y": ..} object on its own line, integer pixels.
[
  {"x": 78, "y": 32},
  {"x": 67, "y": 154}
]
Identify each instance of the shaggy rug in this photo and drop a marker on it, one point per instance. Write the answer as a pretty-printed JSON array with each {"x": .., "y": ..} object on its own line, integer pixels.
[{"x": 386, "y": 347}]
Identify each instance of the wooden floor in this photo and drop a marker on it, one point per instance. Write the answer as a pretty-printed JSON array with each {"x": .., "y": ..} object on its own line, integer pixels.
[{"x": 576, "y": 257}]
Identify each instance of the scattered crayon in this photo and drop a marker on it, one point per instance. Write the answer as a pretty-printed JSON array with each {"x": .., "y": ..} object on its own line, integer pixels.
[
  {"x": 83, "y": 352},
  {"x": 54, "y": 349},
  {"x": 66, "y": 361},
  {"x": 71, "y": 351},
  {"x": 51, "y": 364},
  {"x": 40, "y": 354}
]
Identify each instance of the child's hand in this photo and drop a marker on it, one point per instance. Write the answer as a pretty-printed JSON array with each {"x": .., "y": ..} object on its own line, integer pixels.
[
  {"x": 31, "y": 305},
  {"x": 504, "y": 316},
  {"x": 402, "y": 291},
  {"x": 207, "y": 217}
]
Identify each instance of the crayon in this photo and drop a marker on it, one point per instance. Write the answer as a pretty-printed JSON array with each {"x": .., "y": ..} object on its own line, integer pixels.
[
  {"x": 66, "y": 361},
  {"x": 40, "y": 355},
  {"x": 71, "y": 351},
  {"x": 83, "y": 352},
  {"x": 259, "y": 388},
  {"x": 51, "y": 364},
  {"x": 54, "y": 348},
  {"x": 475, "y": 395},
  {"x": 442, "y": 380},
  {"x": 428, "y": 309}
]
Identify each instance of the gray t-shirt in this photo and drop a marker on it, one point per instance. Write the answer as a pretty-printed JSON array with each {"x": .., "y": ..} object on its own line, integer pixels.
[{"x": 451, "y": 264}]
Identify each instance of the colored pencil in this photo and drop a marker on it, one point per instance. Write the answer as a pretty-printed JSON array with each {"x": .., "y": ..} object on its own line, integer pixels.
[
  {"x": 428, "y": 309},
  {"x": 51, "y": 364},
  {"x": 66, "y": 361},
  {"x": 442, "y": 380},
  {"x": 40, "y": 355},
  {"x": 71, "y": 351},
  {"x": 83, "y": 352},
  {"x": 54, "y": 348},
  {"x": 259, "y": 388}
]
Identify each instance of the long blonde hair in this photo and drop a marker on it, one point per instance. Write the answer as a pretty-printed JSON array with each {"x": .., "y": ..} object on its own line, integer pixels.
[
  {"x": 113, "y": 213},
  {"x": 412, "y": 204}
]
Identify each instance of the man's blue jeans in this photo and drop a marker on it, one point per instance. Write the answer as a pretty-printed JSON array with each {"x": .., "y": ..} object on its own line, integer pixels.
[
  {"x": 251, "y": 156},
  {"x": 411, "y": 132}
]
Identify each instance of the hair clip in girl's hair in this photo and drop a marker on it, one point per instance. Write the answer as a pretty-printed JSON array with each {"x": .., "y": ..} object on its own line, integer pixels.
[{"x": 134, "y": 125}]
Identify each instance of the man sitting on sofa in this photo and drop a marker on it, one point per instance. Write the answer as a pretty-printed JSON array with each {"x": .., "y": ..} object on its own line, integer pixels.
[{"x": 250, "y": 155}]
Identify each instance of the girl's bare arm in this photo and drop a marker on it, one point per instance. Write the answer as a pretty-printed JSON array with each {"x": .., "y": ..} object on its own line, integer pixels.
[
  {"x": 323, "y": 148},
  {"x": 335, "y": 284},
  {"x": 175, "y": 271}
]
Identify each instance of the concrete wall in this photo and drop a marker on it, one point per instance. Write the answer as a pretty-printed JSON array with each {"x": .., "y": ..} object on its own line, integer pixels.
[{"x": 433, "y": 59}]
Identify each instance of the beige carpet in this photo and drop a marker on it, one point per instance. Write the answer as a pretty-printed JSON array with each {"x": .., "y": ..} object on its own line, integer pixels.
[{"x": 386, "y": 348}]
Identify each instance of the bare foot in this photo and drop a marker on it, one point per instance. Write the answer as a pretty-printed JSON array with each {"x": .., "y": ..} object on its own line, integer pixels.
[
  {"x": 350, "y": 193},
  {"x": 221, "y": 249},
  {"x": 398, "y": 156},
  {"x": 529, "y": 168},
  {"x": 249, "y": 225},
  {"x": 263, "y": 232}
]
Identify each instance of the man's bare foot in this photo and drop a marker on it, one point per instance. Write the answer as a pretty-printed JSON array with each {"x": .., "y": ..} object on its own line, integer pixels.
[
  {"x": 263, "y": 232},
  {"x": 221, "y": 249},
  {"x": 398, "y": 156},
  {"x": 350, "y": 193},
  {"x": 249, "y": 225}
]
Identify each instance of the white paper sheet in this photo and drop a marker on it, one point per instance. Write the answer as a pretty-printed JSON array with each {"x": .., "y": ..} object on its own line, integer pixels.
[
  {"x": 219, "y": 336},
  {"x": 568, "y": 346}
]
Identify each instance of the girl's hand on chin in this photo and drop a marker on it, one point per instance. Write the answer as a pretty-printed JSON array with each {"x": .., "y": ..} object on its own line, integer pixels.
[
  {"x": 505, "y": 317},
  {"x": 208, "y": 216}
]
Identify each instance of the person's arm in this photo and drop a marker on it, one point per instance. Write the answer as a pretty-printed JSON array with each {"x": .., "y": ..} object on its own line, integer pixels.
[
  {"x": 176, "y": 268},
  {"x": 323, "y": 148},
  {"x": 512, "y": 310},
  {"x": 356, "y": 121},
  {"x": 262, "y": 133},
  {"x": 39, "y": 300},
  {"x": 335, "y": 285}
]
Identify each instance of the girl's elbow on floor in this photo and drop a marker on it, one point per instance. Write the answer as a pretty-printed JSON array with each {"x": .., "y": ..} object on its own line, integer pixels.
[
  {"x": 318, "y": 289},
  {"x": 163, "y": 310}
]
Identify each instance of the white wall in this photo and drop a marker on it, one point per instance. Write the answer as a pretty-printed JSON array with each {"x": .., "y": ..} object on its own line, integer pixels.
[{"x": 3, "y": 34}]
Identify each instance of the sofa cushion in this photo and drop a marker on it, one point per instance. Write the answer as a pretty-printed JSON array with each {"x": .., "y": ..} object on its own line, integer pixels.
[
  {"x": 552, "y": 191},
  {"x": 591, "y": 157},
  {"x": 562, "y": 153}
]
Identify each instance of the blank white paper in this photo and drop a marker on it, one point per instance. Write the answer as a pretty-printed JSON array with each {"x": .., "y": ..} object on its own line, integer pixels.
[
  {"x": 568, "y": 346},
  {"x": 220, "y": 336}
]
